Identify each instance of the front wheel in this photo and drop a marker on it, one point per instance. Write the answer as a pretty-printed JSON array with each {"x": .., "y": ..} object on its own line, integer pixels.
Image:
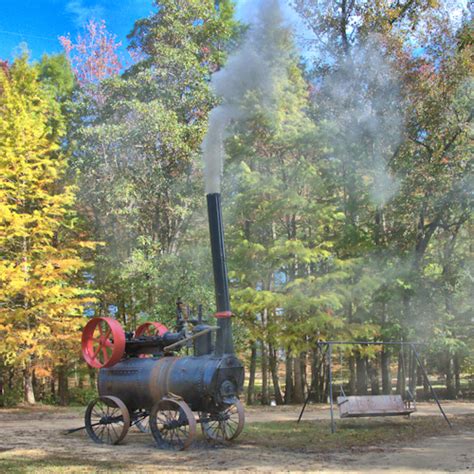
[
  {"x": 172, "y": 424},
  {"x": 225, "y": 425}
]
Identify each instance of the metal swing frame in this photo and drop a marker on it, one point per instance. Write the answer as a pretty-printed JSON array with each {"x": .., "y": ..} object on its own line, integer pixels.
[{"x": 376, "y": 403}]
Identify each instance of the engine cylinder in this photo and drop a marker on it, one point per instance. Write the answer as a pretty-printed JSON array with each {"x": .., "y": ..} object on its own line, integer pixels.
[{"x": 203, "y": 382}]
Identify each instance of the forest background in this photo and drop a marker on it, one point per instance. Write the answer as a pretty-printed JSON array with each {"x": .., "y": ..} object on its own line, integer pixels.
[{"x": 347, "y": 192}]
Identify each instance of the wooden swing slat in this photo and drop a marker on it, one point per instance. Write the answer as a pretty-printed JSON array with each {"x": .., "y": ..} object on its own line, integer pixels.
[{"x": 373, "y": 405}]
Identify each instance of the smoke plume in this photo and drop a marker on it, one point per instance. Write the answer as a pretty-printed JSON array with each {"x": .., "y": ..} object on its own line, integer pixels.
[
  {"x": 365, "y": 106},
  {"x": 252, "y": 68}
]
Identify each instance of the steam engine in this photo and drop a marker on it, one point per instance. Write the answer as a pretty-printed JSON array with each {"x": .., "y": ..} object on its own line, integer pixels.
[{"x": 143, "y": 383}]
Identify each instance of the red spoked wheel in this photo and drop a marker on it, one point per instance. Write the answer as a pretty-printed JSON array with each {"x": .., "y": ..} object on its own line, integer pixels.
[
  {"x": 103, "y": 342},
  {"x": 151, "y": 329}
]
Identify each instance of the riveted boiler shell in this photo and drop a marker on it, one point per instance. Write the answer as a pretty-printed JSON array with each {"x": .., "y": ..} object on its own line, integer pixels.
[{"x": 140, "y": 383}]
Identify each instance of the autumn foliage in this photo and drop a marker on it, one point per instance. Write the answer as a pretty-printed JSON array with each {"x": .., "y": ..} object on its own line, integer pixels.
[{"x": 41, "y": 294}]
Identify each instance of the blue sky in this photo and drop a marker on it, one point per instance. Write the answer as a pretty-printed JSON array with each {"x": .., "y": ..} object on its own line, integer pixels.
[{"x": 40, "y": 22}]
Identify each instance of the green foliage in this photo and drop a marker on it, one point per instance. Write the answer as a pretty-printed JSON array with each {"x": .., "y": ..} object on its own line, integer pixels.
[
  {"x": 135, "y": 146},
  {"x": 82, "y": 396}
]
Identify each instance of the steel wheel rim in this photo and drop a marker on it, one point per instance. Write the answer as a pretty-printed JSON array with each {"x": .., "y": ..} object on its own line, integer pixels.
[
  {"x": 107, "y": 420},
  {"x": 172, "y": 424},
  {"x": 225, "y": 425}
]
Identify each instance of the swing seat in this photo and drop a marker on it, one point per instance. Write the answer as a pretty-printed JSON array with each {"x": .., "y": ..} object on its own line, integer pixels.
[{"x": 374, "y": 405}]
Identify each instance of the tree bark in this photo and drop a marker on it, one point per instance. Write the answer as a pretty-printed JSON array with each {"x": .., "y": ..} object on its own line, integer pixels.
[
  {"x": 450, "y": 387},
  {"x": 401, "y": 373},
  {"x": 288, "y": 378},
  {"x": 386, "y": 373},
  {"x": 274, "y": 372},
  {"x": 352, "y": 375},
  {"x": 29, "y": 394},
  {"x": 264, "y": 400},
  {"x": 299, "y": 389},
  {"x": 361, "y": 369},
  {"x": 63, "y": 386},
  {"x": 457, "y": 374},
  {"x": 2, "y": 391},
  {"x": 52, "y": 385},
  {"x": 315, "y": 367},
  {"x": 253, "y": 368},
  {"x": 373, "y": 376}
]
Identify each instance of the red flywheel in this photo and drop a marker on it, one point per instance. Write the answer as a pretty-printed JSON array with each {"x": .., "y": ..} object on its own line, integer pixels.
[
  {"x": 151, "y": 329},
  {"x": 103, "y": 342}
]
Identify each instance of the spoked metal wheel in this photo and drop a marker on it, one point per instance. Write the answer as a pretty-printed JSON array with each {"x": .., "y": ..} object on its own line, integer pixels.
[
  {"x": 225, "y": 425},
  {"x": 172, "y": 424},
  {"x": 107, "y": 420}
]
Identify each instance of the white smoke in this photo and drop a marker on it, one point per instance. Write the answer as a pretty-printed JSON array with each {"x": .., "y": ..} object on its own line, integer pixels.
[
  {"x": 252, "y": 68},
  {"x": 364, "y": 96}
]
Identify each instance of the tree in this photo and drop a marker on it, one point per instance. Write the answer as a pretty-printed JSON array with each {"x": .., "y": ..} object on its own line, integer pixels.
[
  {"x": 41, "y": 292},
  {"x": 136, "y": 151},
  {"x": 282, "y": 227},
  {"x": 426, "y": 54}
]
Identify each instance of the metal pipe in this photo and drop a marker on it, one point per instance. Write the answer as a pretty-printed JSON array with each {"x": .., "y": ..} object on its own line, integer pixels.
[
  {"x": 425, "y": 375},
  {"x": 224, "y": 342},
  {"x": 370, "y": 343},
  {"x": 333, "y": 424}
]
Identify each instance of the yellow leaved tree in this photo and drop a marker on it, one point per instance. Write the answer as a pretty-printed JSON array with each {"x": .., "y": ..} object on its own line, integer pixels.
[{"x": 42, "y": 286}]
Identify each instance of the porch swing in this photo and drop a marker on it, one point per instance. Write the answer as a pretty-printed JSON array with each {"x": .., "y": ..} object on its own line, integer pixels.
[{"x": 357, "y": 406}]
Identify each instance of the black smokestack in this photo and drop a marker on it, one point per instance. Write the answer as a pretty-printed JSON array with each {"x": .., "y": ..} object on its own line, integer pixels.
[{"x": 224, "y": 342}]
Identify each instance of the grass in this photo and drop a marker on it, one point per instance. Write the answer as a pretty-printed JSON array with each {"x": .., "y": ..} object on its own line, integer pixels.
[{"x": 316, "y": 436}]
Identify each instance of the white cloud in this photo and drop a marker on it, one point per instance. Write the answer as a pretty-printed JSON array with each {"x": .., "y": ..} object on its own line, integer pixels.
[{"x": 82, "y": 13}]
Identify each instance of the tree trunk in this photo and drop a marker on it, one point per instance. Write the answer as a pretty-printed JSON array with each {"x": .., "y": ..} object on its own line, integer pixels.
[
  {"x": 288, "y": 378},
  {"x": 401, "y": 373},
  {"x": 264, "y": 399},
  {"x": 2, "y": 391},
  {"x": 386, "y": 373},
  {"x": 63, "y": 386},
  {"x": 457, "y": 375},
  {"x": 426, "y": 387},
  {"x": 304, "y": 378},
  {"x": 29, "y": 394},
  {"x": 299, "y": 389},
  {"x": 450, "y": 388},
  {"x": 52, "y": 388},
  {"x": 253, "y": 368},
  {"x": 315, "y": 367},
  {"x": 326, "y": 379},
  {"x": 274, "y": 372},
  {"x": 413, "y": 376},
  {"x": 80, "y": 378},
  {"x": 352, "y": 375},
  {"x": 372, "y": 374},
  {"x": 322, "y": 379},
  {"x": 361, "y": 369}
]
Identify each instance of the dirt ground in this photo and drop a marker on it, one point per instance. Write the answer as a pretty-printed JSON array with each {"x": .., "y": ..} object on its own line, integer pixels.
[{"x": 29, "y": 436}]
